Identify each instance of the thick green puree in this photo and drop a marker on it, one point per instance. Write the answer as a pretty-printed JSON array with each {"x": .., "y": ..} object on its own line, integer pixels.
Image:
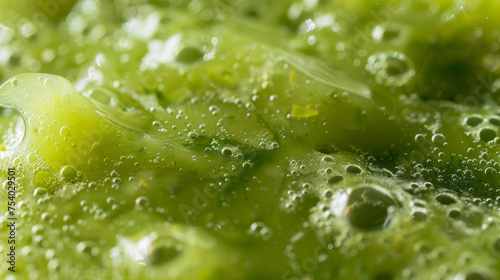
[{"x": 232, "y": 139}]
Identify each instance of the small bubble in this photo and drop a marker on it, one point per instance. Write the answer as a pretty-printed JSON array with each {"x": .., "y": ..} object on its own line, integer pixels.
[
  {"x": 53, "y": 265},
  {"x": 50, "y": 254},
  {"x": 45, "y": 216},
  {"x": 419, "y": 137},
  {"x": 48, "y": 55},
  {"x": 65, "y": 97},
  {"x": 227, "y": 151},
  {"x": 31, "y": 157},
  {"x": 495, "y": 121},
  {"x": 473, "y": 121},
  {"x": 37, "y": 229},
  {"x": 353, "y": 169},
  {"x": 189, "y": 55},
  {"x": 39, "y": 192},
  {"x": 419, "y": 215},
  {"x": 438, "y": 138},
  {"x": 445, "y": 198},
  {"x": 67, "y": 218},
  {"x": 15, "y": 82},
  {"x": 65, "y": 131},
  {"x": 487, "y": 134},
  {"x": 335, "y": 179},
  {"x": 328, "y": 159},
  {"x": 259, "y": 229},
  {"x": 87, "y": 248},
  {"x": 390, "y": 68},
  {"x": 26, "y": 251},
  {"x": 328, "y": 194},
  {"x": 34, "y": 65},
  {"x": 68, "y": 173},
  {"x": 193, "y": 135},
  {"x": 368, "y": 207},
  {"x": 48, "y": 83},
  {"x": 142, "y": 201},
  {"x": 385, "y": 33}
]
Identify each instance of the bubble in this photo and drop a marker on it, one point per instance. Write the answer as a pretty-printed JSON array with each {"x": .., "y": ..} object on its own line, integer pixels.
[
  {"x": 46, "y": 216},
  {"x": 34, "y": 65},
  {"x": 335, "y": 179},
  {"x": 65, "y": 131},
  {"x": 490, "y": 171},
  {"x": 227, "y": 151},
  {"x": 50, "y": 254},
  {"x": 438, "y": 138},
  {"x": 422, "y": 246},
  {"x": 159, "y": 248},
  {"x": 39, "y": 192},
  {"x": 68, "y": 173},
  {"x": 473, "y": 121},
  {"x": 26, "y": 251},
  {"x": 368, "y": 207},
  {"x": 259, "y": 229},
  {"x": 37, "y": 240},
  {"x": 65, "y": 97},
  {"x": 87, "y": 248},
  {"x": 142, "y": 201},
  {"x": 214, "y": 109},
  {"x": 473, "y": 219},
  {"x": 53, "y": 265},
  {"x": 487, "y": 134},
  {"x": 380, "y": 33},
  {"x": 419, "y": 215},
  {"x": 390, "y": 68},
  {"x": 328, "y": 159},
  {"x": 353, "y": 169},
  {"x": 193, "y": 135},
  {"x": 495, "y": 121},
  {"x": 48, "y": 55},
  {"x": 164, "y": 253},
  {"x": 328, "y": 194},
  {"x": 67, "y": 218},
  {"x": 31, "y": 157},
  {"x": 445, "y": 198},
  {"x": 48, "y": 83},
  {"x": 419, "y": 137},
  {"x": 189, "y": 55},
  {"x": 454, "y": 213},
  {"x": 37, "y": 229},
  {"x": 15, "y": 82}
]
